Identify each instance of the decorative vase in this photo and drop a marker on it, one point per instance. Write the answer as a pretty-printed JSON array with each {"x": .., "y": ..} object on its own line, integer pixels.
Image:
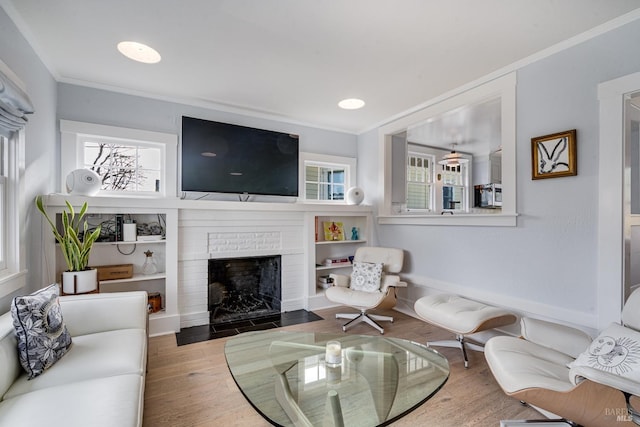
[
  {"x": 80, "y": 282},
  {"x": 149, "y": 266},
  {"x": 354, "y": 196}
]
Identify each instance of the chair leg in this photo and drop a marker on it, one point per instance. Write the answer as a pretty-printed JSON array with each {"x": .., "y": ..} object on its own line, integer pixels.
[
  {"x": 357, "y": 318},
  {"x": 363, "y": 317},
  {"x": 373, "y": 323},
  {"x": 348, "y": 315},
  {"x": 460, "y": 343},
  {"x": 381, "y": 318}
]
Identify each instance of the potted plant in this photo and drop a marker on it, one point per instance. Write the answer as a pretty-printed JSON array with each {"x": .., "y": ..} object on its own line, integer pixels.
[{"x": 75, "y": 241}]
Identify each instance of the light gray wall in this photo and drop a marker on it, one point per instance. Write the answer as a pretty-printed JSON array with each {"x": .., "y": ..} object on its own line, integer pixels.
[
  {"x": 547, "y": 264},
  {"x": 41, "y": 146},
  {"x": 91, "y": 105}
]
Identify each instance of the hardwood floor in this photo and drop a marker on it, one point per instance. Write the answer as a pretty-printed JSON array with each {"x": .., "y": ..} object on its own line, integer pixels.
[{"x": 190, "y": 385}]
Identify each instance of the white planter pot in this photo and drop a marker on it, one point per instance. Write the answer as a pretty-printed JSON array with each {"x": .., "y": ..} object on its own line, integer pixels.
[{"x": 80, "y": 282}]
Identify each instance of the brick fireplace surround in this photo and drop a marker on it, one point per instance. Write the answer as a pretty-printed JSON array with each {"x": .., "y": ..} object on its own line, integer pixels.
[{"x": 206, "y": 234}]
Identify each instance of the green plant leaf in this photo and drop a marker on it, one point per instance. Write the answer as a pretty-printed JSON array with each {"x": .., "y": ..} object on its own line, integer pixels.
[{"x": 76, "y": 252}]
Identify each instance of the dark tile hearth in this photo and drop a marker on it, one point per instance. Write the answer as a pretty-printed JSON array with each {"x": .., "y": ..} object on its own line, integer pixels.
[{"x": 220, "y": 330}]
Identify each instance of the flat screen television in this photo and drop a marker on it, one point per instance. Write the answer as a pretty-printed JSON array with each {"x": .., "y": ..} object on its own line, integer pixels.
[{"x": 226, "y": 158}]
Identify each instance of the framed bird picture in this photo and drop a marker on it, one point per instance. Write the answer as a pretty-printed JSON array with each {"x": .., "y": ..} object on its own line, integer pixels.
[{"x": 553, "y": 156}]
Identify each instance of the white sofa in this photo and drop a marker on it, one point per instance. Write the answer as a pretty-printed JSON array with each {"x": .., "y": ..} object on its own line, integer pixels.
[{"x": 98, "y": 382}]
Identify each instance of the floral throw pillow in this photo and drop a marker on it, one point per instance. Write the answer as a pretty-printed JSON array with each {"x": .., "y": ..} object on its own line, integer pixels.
[
  {"x": 40, "y": 331},
  {"x": 366, "y": 276}
]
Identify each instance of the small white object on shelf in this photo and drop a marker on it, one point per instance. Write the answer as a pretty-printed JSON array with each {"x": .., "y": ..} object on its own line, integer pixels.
[
  {"x": 325, "y": 282},
  {"x": 83, "y": 182},
  {"x": 129, "y": 232},
  {"x": 149, "y": 266},
  {"x": 354, "y": 196}
]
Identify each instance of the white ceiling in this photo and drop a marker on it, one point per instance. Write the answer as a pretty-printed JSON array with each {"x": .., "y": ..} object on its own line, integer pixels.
[
  {"x": 474, "y": 129},
  {"x": 295, "y": 59}
]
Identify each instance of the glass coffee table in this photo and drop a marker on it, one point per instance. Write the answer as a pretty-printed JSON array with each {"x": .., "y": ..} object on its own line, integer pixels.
[{"x": 377, "y": 380}]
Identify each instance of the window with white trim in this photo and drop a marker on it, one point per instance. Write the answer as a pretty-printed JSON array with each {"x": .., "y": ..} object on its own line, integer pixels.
[
  {"x": 130, "y": 162},
  {"x": 126, "y": 166},
  {"x": 432, "y": 187},
  {"x": 11, "y": 171},
  {"x": 15, "y": 106},
  {"x": 326, "y": 178},
  {"x": 4, "y": 180},
  {"x": 455, "y": 187},
  {"x": 324, "y": 182},
  {"x": 420, "y": 181},
  {"x": 396, "y": 136}
]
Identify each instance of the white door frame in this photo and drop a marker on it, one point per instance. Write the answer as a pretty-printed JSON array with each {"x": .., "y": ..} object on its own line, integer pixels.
[{"x": 610, "y": 280}]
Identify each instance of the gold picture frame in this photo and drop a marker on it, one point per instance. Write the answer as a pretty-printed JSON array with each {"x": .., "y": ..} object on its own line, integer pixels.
[{"x": 554, "y": 156}]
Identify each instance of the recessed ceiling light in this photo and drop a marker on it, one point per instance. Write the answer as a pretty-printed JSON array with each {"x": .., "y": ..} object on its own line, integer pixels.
[
  {"x": 139, "y": 52},
  {"x": 351, "y": 103},
  {"x": 208, "y": 154}
]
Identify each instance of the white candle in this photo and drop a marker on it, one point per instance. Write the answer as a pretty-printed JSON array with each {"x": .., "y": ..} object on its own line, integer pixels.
[{"x": 333, "y": 355}]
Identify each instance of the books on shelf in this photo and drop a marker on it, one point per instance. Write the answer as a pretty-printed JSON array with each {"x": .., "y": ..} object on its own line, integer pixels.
[
  {"x": 324, "y": 282},
  {"x": 328, "y": 262}
]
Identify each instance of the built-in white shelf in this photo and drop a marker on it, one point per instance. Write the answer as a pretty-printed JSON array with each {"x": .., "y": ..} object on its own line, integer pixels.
[
  {"x": 158, "y": 314},
  {"x": 331, "y": 249},
  {"x": 165, "y": 282},
  {"x": 137, "y": 242},
  {"x": 334, "y": 266},
  {"x": 184, "y": 253},
  {"x": 338, "y": 242},
  {"x": 136, "y": 278}
]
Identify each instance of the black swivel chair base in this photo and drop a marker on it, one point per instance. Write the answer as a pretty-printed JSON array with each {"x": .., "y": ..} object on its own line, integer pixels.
[{"x": 363, "y": 316}]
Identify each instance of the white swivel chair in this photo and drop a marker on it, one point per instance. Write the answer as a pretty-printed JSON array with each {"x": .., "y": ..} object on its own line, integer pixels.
[
  {"x": 361, "y": 290},
  {"x": 564, "y": 373}
]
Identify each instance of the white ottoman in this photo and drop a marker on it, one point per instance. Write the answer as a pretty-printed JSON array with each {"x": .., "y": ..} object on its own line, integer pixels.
[{"x": 462, "y": 317}]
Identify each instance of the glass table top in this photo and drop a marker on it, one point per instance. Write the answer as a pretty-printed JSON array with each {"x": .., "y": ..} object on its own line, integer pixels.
[{"x": 378, "y": 380}]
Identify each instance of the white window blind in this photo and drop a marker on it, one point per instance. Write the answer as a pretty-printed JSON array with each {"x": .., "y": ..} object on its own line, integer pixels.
[{"x": 14, "y": 106}]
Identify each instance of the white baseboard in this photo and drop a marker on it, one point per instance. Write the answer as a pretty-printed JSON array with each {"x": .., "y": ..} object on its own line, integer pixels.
[
  {"x": 164, "y": 325},
  {"x": 292, "y": 304},
  {"x": 188, "y": 320}
]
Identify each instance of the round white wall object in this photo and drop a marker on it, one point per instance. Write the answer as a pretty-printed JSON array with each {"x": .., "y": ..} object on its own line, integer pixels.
[
  {"x": 83, "y": 182},
  {"x": 355, "y": 196}
]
